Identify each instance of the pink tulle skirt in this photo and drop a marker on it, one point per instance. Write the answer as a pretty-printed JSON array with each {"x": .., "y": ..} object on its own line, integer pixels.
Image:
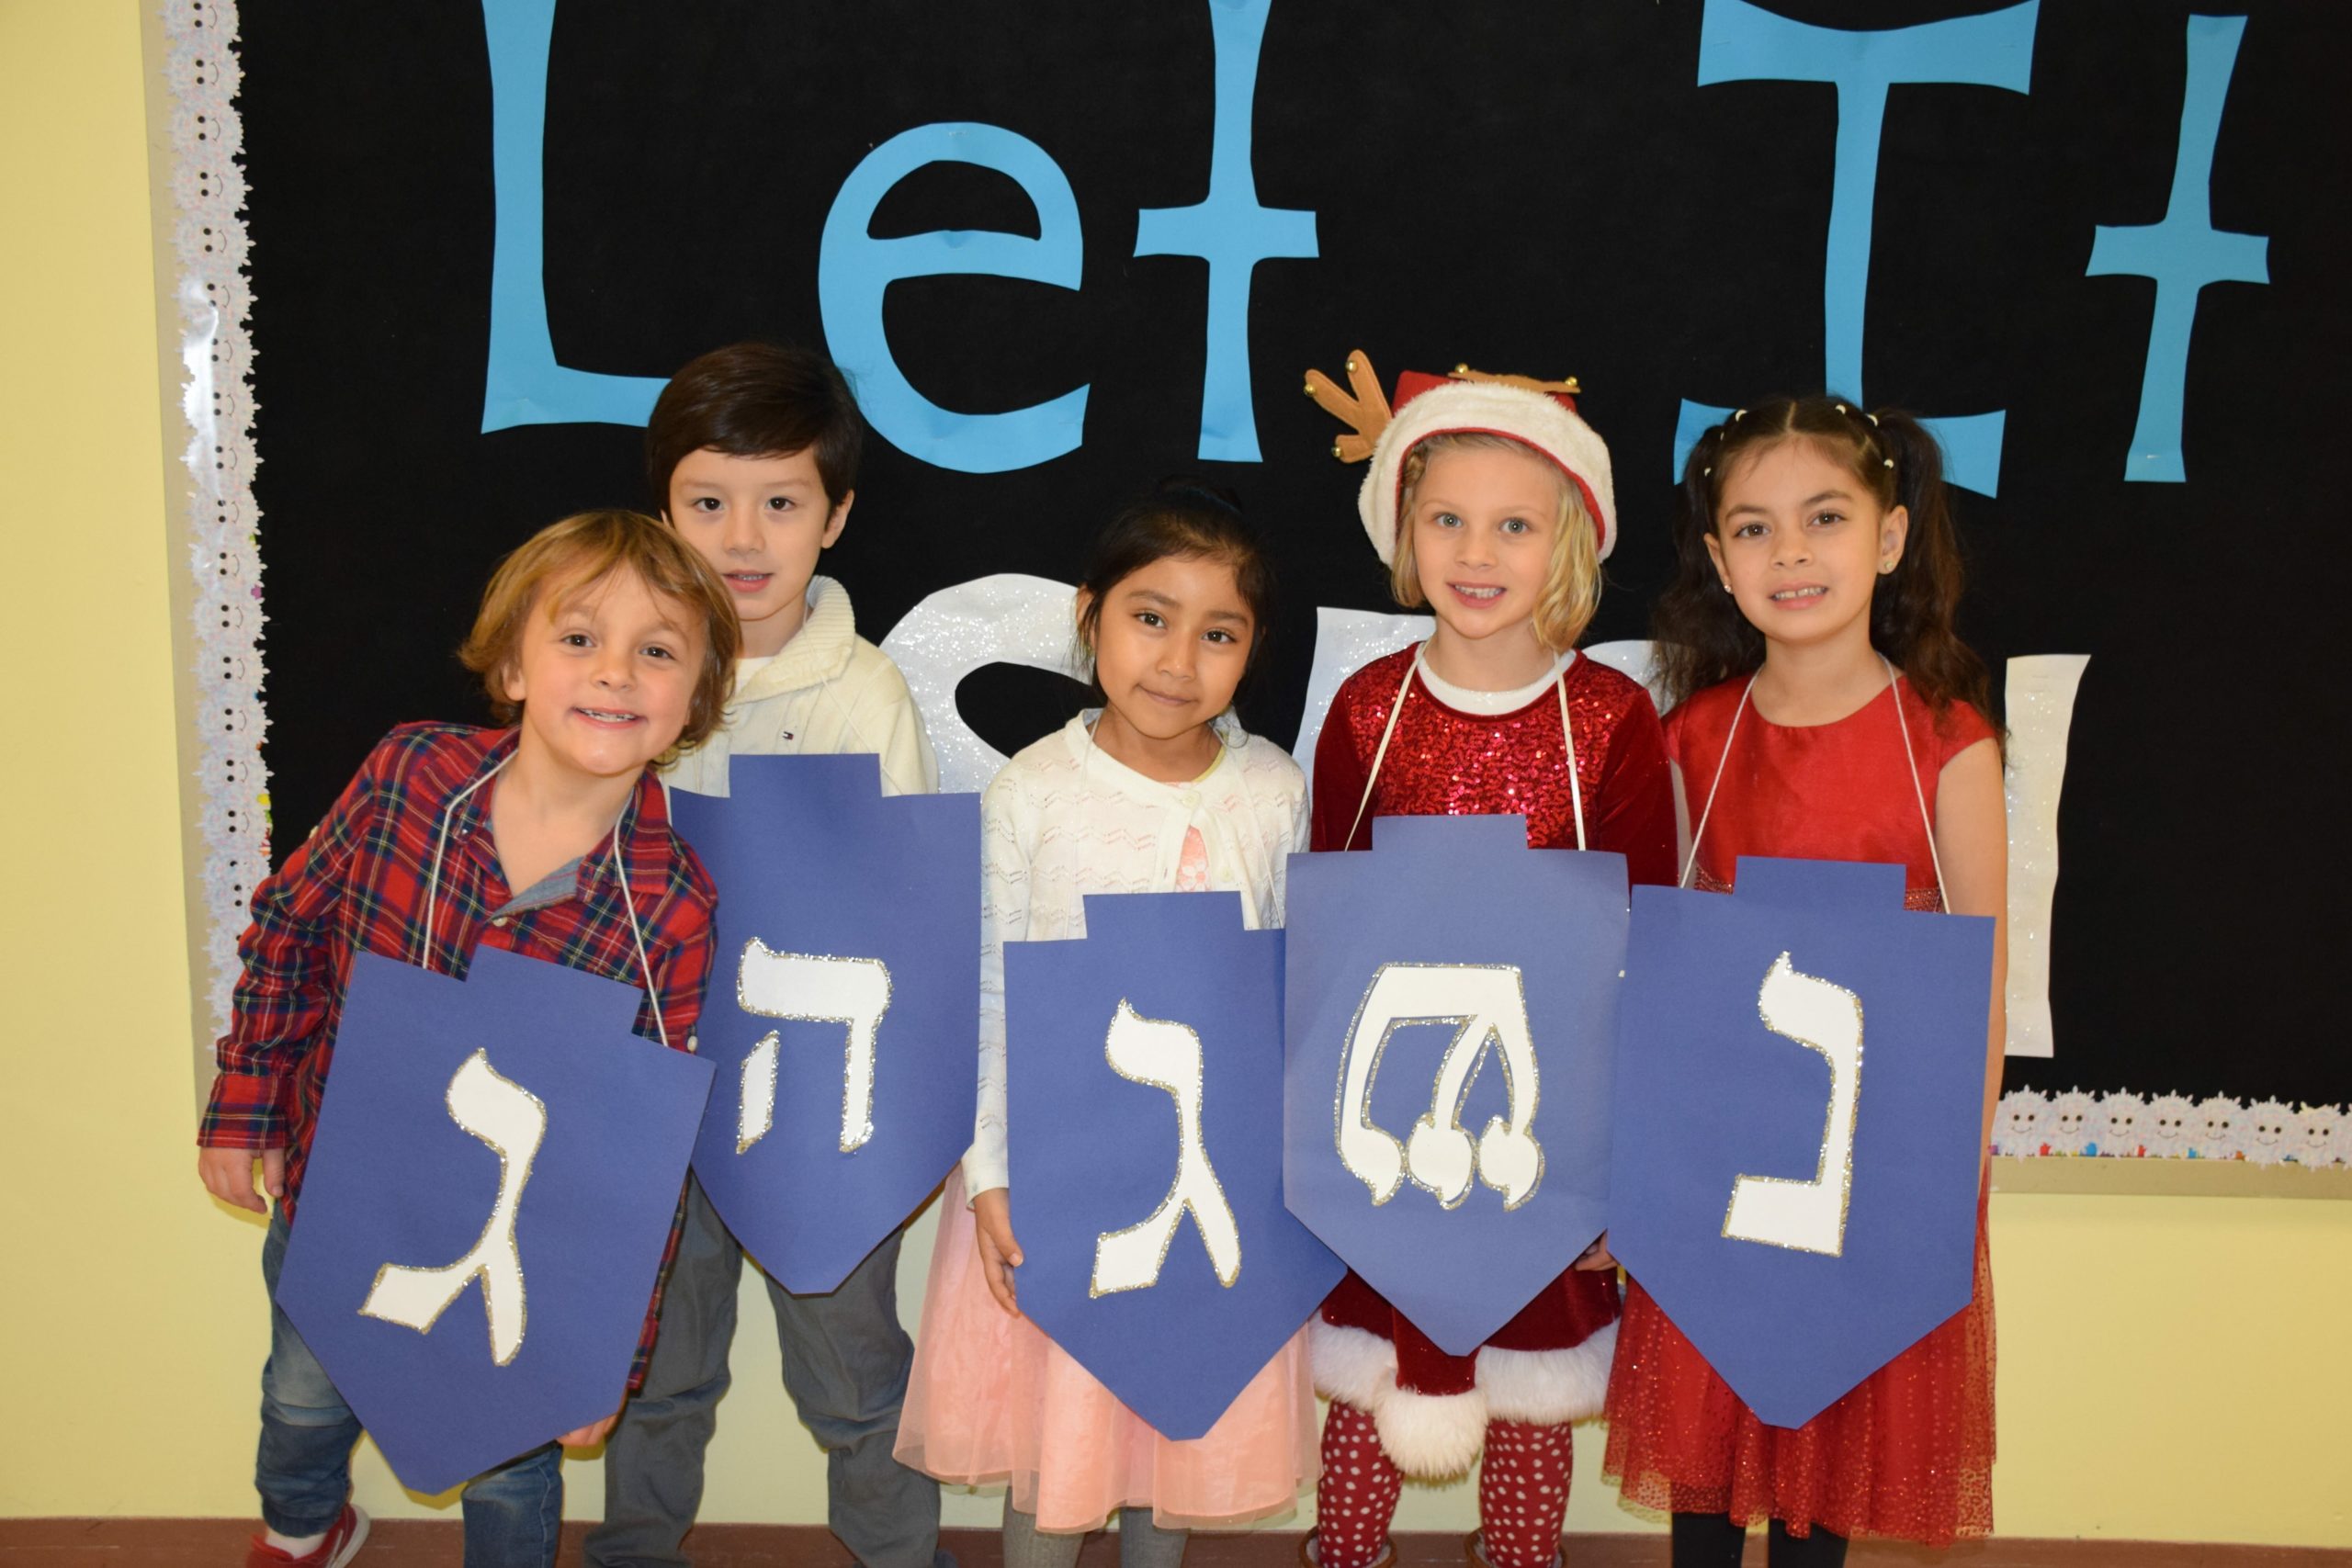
[{"x": 993, "y": 1401}]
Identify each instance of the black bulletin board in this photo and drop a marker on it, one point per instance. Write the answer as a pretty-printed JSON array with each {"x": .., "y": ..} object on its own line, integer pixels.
[{"x": 1523, "y": 185}]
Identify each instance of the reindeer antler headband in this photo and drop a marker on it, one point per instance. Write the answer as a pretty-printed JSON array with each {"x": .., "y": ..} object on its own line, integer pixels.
[{"x": 1538, "y": 414}]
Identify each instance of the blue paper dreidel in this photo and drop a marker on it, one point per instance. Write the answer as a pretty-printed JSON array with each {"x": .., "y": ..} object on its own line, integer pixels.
[
  {"x": 489, "y": 1194},
  {"x": 843, "y": 1013},
  {"x": 1800, "y": 1089},
  {"x": 1451, "y": 1016},
  {"x": 1144, "y": 1110}
]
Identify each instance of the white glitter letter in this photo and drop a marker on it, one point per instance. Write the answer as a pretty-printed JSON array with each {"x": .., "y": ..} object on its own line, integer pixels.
[
  {"x": 811, "y": 988},
  {"x": 512, "y": 1122},
  {"x": 1487, "y": 1004},
  {"x": 1807, "y": 1216},
  {"x": 1166, "y": 1054}
]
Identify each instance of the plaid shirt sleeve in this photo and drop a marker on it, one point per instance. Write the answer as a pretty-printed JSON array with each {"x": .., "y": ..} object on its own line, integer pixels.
[
  {"x": 282, "y": 995},
  {"x": 681, "y": 948}
]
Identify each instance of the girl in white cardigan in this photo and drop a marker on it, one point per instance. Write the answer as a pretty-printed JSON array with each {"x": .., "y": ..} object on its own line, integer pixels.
[{"x": 1158, "y": 791}]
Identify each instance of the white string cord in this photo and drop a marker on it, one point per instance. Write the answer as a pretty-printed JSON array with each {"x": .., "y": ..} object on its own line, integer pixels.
[
  {"x": 1567, "y": 733},
  {"x": 1709, "y": 809},
  {"x": 1397, "y": 711},
  {"x": 637, "y": 935},
  {"x": 1918, "y": 792},
  {"x": 620, "y": 879},
  {"x": 440, "y": 847}
]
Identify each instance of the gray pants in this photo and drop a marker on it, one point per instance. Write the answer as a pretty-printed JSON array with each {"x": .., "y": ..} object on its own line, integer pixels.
[{"x": 845, "y": 1361}]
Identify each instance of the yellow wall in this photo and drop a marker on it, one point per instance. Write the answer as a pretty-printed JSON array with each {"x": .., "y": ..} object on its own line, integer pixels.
[{"x": 2170, "y": 1368}]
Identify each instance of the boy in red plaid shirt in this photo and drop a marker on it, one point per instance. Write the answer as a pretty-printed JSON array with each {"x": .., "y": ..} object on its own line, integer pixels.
[{"x": 607, "y": 645}]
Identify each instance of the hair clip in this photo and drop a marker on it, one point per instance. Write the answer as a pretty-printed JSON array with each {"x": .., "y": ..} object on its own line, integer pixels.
[
  {"x": 1706, "y": 472},
  {"x": 1872, "y": 417},
  {"x": 1738, "y": 415},
  {"x": 1888, "y": 461},
  {"x": 1844, "y": 410}
]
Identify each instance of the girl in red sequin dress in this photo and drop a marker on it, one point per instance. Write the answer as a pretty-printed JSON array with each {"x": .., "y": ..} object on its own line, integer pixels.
[
  {"x": 1491, "y": 503},
  {"x": 1825, "y": 711}
]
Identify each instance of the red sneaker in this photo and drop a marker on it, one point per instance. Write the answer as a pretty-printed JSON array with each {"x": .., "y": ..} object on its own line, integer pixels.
[{"x": 342, "y": 1544}]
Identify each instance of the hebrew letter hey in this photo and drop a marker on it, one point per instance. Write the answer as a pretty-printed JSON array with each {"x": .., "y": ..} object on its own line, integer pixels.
[
  {"x": 1808, "y": 1216},
  {"x": 1166, "y": 1054},
  {"x": 813, "y": 988},
  {"x": 1487, "y": 1005},
  {"x": 512, "y": 1122}
]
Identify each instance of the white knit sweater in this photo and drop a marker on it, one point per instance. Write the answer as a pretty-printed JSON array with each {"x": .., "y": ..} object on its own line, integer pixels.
[
  {"x": 1063, "y": 819},
  {"x": 829, "y": 691}
]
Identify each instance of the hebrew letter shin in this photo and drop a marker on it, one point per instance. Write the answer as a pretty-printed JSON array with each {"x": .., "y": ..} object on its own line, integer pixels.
[
  {"x": 1166, "y": 1054},
  {"x": 1485, "y": 1005},
  {"x": 512, "y": 1122},
  {"x": 811, "y": 988},
  {"x": 1807, "y": 1216}
]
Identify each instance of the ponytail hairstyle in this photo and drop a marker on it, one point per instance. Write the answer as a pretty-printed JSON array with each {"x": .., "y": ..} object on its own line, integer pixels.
[
  {"x": 1193, "y": 520},
  {"x": 1702, "y": 637}
]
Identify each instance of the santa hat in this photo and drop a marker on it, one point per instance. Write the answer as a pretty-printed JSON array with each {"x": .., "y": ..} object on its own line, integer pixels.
[{"x": 1540, "y": 415}]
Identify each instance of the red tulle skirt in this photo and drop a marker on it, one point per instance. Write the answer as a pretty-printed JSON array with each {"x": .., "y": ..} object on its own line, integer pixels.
[{"x": 1907, "y": 1454}]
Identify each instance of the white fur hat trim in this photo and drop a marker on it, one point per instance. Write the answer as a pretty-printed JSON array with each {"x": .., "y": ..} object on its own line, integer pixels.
[{"x": 1488, "y": 408}]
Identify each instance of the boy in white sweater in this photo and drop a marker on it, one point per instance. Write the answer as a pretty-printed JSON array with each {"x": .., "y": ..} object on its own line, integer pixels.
[{"x": 751, "y": 453}]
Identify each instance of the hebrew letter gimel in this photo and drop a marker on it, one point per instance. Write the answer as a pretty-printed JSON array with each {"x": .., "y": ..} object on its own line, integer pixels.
[
  {"x": 1167, "y": 1055},
  {"x": 1487, "y": 1006},
  {"x": 512, "y": 1122},
  {"x": 1808, "y": 1216},
  {"x": 811, "y": 988}
]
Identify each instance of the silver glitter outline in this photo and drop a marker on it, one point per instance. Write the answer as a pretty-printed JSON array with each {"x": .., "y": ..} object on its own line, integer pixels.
[
  {"x": 853, "y": 1137},
  {"x": 1094, "y": 1289},
  {"x": 514, "y": 1232},
  {"x": 1460, "y": 1023},
  {"x": 1821, "y": 1167}
]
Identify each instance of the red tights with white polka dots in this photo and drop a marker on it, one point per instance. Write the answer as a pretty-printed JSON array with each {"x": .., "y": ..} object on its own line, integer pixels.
[{"x": 1522, "y": 1493}]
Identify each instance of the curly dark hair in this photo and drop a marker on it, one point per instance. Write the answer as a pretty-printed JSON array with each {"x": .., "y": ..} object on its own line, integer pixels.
[{"x": 1702, "y": 637}]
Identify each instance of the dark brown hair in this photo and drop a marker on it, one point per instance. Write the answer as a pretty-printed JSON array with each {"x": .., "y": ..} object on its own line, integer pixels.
[
  {"x": 1702, "y": 637},
  {"x": 581, "y": 551},
  {"x": 1191, "y": 520},
  {"x": 756, "y": 400}
]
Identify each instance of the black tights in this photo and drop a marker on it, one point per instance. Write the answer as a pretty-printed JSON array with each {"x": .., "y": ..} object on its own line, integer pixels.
[{"x": 1712, "y": 1540}]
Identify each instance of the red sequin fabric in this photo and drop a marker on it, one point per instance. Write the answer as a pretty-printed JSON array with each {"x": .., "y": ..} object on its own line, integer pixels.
[
  {"x": 1908, "y": 1453},
  {"x": 1442, "y": 762}
]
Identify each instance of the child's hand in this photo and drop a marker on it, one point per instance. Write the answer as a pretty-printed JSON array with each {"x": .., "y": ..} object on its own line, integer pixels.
[
  {"x": 588, "y": 1436},
  {"x": 228, "y": 1174},
  {"x": 1597, "y": 1256},
  {"x": 1000, "y": 1254}
]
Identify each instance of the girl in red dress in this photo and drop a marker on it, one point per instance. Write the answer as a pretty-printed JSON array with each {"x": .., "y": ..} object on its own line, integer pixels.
[
  {"x": 1824, "y": 710},
  {"x": 1491, "y": 502}
]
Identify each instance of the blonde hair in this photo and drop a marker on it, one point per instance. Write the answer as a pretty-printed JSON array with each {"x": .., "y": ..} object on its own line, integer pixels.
[
  {"x": 1572, "y": 581},
  {"x": 579, "y": 551}
]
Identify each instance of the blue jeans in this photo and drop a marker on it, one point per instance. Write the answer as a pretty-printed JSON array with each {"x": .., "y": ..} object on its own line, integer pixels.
[
  {"x": 845, "y": 1362},
  {"x": 303, "y": 1471}
]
